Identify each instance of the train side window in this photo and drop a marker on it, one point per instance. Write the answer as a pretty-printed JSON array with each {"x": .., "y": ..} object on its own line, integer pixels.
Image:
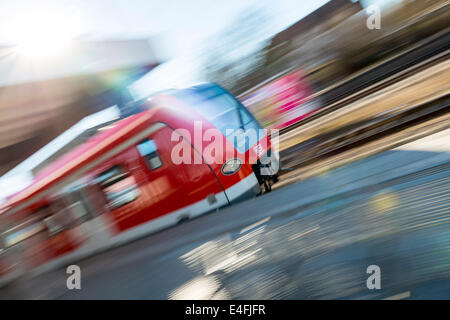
[
  {"x": 22, "y": 232},
  {"x": 66, "y": 218},
  {"x": 52, "y": 225},
  {"x": 148, "y": 150},
  {"x": 119, "y": 186},
  {"x": 80, "y": 207}
]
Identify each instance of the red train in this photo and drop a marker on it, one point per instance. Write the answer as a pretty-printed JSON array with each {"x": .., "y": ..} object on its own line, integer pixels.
[{"x": 141, "y": 174}]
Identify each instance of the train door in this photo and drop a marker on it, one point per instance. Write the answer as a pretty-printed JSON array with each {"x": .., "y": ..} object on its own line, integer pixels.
[
  {"x": 121, "y": 182},
  {"x": 171, "y": 191}
]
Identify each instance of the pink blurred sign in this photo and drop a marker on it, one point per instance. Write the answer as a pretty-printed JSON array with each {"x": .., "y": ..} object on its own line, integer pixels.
[{"x": 281, "y": 102}]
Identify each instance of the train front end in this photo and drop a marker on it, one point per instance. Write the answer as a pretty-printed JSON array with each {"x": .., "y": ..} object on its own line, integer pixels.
[{"x": 253, "y": 144}]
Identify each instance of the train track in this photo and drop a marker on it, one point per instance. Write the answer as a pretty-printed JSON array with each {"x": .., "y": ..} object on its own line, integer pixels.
[
  {"x": 434, "y": 51},
  {"x": 357, "y": 135}
]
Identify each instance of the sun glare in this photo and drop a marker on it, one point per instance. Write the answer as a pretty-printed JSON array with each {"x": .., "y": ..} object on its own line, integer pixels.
[{"x": 46, "y": 34}]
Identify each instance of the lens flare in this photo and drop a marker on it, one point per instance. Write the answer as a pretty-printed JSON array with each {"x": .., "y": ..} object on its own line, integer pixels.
[{"x": 46, "y": 34}]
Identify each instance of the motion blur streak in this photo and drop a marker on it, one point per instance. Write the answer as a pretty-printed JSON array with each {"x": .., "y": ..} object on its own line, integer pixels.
[
  {"x": 321, "y": 250},
  {"x": 355, "y": 177},
  {"x": 391, "y": 210}
]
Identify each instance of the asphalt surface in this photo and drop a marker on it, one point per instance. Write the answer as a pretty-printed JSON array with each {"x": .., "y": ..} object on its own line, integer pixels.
[{"x": 308, "y": 240}]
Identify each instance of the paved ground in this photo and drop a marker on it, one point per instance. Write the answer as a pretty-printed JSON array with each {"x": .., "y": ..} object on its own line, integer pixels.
[{"x": 308, "y": 240}]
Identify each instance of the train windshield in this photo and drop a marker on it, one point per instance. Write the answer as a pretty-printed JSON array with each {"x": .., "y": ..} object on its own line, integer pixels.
[{"x": 226, "y": 113}]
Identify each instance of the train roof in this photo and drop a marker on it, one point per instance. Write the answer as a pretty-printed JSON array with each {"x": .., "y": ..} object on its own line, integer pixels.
[{"x": 73, "y": 160}]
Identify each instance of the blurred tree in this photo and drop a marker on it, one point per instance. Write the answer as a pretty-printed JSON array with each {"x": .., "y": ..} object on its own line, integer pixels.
[{"x": 235, "y": 56}]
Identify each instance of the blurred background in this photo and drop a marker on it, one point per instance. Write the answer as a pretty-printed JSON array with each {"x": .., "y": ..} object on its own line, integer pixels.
[{"x": 364, "y": 140}]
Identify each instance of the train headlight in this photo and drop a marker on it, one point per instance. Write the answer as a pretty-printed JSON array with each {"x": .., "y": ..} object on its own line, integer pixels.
[{"x": 231, "y": 166}]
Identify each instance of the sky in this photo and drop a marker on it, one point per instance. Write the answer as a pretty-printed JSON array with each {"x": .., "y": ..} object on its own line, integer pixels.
[
  {"x": 185, "y": 22},
  {"x": 178, "y": 27}
]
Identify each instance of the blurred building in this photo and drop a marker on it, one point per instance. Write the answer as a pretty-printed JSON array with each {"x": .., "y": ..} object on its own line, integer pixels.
[
  {"x": 320, "y": 20},
  {"x": 284, "y": 44},
  {"x": 334, "y": 41},
  {"x": 41, "y": 98}
]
